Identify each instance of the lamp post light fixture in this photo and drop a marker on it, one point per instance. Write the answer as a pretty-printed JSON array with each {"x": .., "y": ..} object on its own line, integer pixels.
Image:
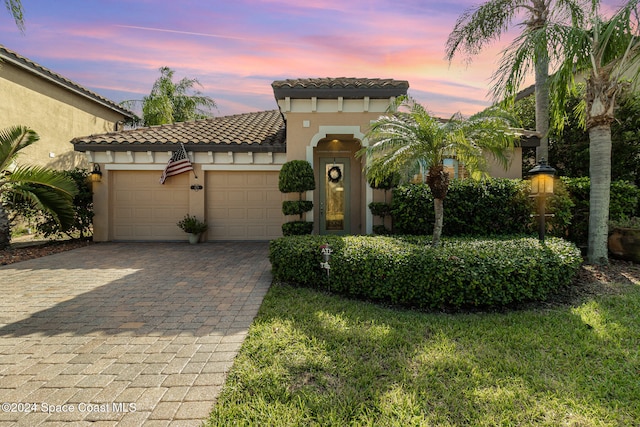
[
  {"x": 96, "y": 173},
  {"x": 542, "y": 176}
]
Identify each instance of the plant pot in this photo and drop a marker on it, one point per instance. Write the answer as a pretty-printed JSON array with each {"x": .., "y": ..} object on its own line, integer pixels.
[
  {"x": 624, "y": 243},
  {"x": 194, "y": 238}
]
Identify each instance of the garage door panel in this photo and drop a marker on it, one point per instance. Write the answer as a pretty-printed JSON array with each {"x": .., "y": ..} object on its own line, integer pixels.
[
  {"x": 143, "y": 209},
  {"x": 244, "y": 205},
  {"x": 255, "y": 213},
  {"x": 255, "y": 196}
]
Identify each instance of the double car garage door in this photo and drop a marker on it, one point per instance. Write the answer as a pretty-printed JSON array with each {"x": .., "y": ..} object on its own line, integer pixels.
[{"x": 238, "y": 205}]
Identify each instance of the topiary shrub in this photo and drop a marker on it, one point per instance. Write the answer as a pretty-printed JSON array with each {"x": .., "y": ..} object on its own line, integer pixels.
[
  {"x": 296, "y": 207},
  {"x": 296, "y": 176},
  {"x": 382, "y": 209},
  {"x": 407, "y": 271},
  {"x": 296, "y": 228}
]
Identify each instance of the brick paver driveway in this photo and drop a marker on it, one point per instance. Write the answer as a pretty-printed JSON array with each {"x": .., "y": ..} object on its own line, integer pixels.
[{"x": 125, "y": 333}]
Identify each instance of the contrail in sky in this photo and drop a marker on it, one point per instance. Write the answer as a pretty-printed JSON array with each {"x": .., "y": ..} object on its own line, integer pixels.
[{"x": 189, "y": 33}]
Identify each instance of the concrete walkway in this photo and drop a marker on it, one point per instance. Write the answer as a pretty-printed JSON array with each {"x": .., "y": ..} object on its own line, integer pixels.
[{"x": 125, "y": 333}]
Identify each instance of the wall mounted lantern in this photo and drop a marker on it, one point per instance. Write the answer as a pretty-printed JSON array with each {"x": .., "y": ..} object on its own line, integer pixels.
[
  {"x": 96, "y": 173},
  {"x": 542, "y": 176}
]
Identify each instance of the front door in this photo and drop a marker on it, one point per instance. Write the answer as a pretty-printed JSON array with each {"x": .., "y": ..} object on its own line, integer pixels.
[{"x": 334, "y": 195}]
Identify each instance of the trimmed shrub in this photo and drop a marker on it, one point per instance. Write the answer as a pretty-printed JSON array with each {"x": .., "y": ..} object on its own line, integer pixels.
[
  {"x": 408, "y": 271},
  {"x": 493, "y": 206},
  {"x": 296, "y": 176},
  {"x": 296, "y": 207},
  {"x": 295, "y": 228}
]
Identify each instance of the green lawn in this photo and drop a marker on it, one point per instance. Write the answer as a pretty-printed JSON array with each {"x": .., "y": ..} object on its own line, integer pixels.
[{"x": 316, "y": 359}]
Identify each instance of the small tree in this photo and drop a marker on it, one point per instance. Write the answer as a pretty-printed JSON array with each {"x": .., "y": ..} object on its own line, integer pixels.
[{"x": 296, "y": 176}]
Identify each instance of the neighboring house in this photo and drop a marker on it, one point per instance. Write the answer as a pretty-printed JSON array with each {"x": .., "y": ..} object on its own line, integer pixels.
[
  {"x": 53, "y": 106},
  {"x": 237, "y": 160}
]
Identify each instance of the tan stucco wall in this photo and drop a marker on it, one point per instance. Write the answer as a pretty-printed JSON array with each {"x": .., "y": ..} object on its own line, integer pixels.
[{"x": 56, "y": 114}]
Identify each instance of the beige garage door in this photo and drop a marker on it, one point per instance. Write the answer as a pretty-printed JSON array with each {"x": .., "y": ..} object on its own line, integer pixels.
[
  {"x": 244, "y": 205},
  {"x": 142, "y": 209}
]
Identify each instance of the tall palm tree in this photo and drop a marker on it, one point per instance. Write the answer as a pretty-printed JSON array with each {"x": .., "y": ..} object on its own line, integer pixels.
[
  {"x": 43, "y": 188},
  {"x": 607, "y": 54},
  {"x": 482, "y": 24},
  {"x": 15, "y": 9},
  {"x": 408, "y": 136},
  {"x": 171, "y": 102}
]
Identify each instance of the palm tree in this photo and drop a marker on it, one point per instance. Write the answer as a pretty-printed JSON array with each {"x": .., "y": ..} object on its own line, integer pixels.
[
  {"x": 408, "y": 137},
  {"x": 15, "y": 9},
  {"x": 605, "y": 54},
  {"x": 170, "y": 102},
  {"x": 43, "y": 188},
  {"x": 482, "y": 24}
]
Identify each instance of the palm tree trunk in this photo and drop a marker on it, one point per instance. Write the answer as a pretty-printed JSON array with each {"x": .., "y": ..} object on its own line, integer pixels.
[
  {"x": 542, "y": 107},
  {"x": 600, "y": 173},
  {"x": 438, "y": 207},
  {"x": 5, "y": 229}
]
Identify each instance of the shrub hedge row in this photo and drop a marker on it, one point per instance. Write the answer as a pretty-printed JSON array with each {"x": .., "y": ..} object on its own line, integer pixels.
[
  {"x": 405, "y": 270},
  {"x": 501, "y": 206}
]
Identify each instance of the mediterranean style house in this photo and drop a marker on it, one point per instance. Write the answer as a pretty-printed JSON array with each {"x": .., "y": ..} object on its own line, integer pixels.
[
  {"x": 53, "y": 106},
  {"x": 236, "y": 160}
]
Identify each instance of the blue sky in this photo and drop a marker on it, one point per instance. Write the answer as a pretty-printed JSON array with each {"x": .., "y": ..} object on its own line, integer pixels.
[{"x": 236, "y": 48}]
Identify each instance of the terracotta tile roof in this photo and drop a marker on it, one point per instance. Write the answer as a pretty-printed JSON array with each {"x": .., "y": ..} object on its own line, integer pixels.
[
  {"x": 332, "y": 87},
  {"x": 26, "y": 64},
  {"x": 261, "y": 131}
]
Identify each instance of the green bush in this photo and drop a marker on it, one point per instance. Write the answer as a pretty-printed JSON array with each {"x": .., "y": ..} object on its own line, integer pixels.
[
  {"x": 296, "y": 228},
  {"x": 296, "y": 207},
  {"x": 406, "y": 270},
  {"x": 625, "y": 197},
  {"x": 380, "y": 208},
  {"x": 296, "y": 176},
  {"x": 47, "y": 226},
  {"x": 494, "y": 206}
]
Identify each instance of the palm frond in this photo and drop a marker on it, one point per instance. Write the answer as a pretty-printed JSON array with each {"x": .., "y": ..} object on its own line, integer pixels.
[
  {"x": 12, "y": 140},
  {"x": 44, "y": 177},
  {"x": 57, "y": 203}
]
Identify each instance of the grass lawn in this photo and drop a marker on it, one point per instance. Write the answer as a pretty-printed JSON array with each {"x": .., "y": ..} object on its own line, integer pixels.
[{"x": 315, "y": 359}]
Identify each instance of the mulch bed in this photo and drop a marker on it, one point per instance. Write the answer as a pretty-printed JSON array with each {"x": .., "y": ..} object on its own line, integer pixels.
[{"x": 17, "y": 253}]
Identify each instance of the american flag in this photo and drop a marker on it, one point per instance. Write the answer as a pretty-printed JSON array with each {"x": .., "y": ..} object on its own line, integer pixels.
[{"x": 178, "y": 163}]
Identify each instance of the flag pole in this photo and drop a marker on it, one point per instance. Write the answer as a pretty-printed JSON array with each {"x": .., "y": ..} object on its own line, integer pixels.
[{"x": 184, "y": 151}]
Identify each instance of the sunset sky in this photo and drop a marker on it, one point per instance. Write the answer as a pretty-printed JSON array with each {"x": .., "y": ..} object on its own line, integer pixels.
[{"x": 236, "y": 48}]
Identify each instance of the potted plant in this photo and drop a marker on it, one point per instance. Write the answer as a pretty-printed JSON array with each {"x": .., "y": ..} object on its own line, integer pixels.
[
  {"x": 624, "y": 239},
  {"x": 193, "y": 226}
]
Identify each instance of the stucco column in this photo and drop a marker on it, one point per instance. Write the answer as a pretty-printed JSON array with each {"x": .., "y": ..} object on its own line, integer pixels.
[{"x": 101, "y": 207}]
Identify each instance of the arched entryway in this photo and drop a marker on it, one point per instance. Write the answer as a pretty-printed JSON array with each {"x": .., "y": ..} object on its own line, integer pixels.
[{"x": 340, "y": 196}]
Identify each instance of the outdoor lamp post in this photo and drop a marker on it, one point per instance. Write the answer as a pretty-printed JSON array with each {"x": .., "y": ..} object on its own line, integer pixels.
[{"x": 541, "y": 186}]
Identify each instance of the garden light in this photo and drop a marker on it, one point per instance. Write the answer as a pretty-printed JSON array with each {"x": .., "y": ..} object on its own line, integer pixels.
[{"x": 541, "y": 186}]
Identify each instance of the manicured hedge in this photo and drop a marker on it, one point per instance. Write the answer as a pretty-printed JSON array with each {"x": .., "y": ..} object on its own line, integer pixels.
[
  {"x": 472, "y": 208},
  {"x": 500, "y": 206},
  {"x": 407, "y": 271}
]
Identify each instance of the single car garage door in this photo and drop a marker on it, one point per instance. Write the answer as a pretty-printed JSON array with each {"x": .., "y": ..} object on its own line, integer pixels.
[
  {"x": 244, "y": 205},
  {"x": 143, "y": 209}
]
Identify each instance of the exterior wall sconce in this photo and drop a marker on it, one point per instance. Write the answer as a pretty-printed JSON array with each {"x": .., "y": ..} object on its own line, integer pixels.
[
  {"x": 541, "y": 187},
  {"x": 197, "y": 187},
  {"x": 96, "y": 173}
]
